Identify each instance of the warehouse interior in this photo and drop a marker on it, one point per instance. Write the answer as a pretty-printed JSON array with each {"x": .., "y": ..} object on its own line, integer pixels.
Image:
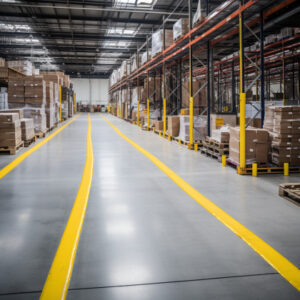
[{"x": 149, "y": 149}]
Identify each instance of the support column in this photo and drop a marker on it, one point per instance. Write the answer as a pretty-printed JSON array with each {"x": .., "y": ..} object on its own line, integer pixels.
[
  {"x": 242, "y": 96},
  {"x": 262, "y": 70},
  {"x": 191, "y": 75}
]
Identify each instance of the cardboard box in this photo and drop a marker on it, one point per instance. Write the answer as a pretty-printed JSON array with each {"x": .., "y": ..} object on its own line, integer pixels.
[
  {"x": 20, "y": 112},
  {"x": 27, "y": 128},
  {"x": 159, "y": 125},
  {"x": 219, "y": 120},
  {"x": 173, "y": 125},
  {"x": 257, "y": 145}
]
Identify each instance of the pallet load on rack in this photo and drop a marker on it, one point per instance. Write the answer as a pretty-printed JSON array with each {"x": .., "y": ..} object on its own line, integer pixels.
[
  {"x": 146, "y": 56},
  {"x": 199, "y": 15},
  {"x": 35, "y": 99},
  {"x": 158, "y": 41},
  {"x": 218, "y": 144},
  {"x": 135, "y": 62},
  {"x": 257, "y": 146},
  {"x": 28, "y": 134},
  {"x": 283, "y": 123},
  {"x": 3, "y": 69},
  {"x": 180, "y": 28},
  {"x": 10, "y": 132}
]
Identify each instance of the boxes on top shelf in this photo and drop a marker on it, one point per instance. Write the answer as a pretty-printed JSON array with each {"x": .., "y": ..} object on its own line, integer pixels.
[
  {"x": 23, "y": 66},
  {"x": 2, "y": 62},
  {"x": 146, "y": 56},
  {"x": 199, "y": 15},
  {"x": 180, "y": 28},
  {"x": 135, "y": 61},
  {"x": 158, "y": 41}
]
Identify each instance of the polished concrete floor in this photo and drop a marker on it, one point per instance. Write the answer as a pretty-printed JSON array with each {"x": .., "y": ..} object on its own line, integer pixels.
[{"x": 143, "y": 237}]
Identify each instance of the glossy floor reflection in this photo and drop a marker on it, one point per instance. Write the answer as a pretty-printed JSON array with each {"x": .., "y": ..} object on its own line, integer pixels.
[{"x": 143, "y": 237}]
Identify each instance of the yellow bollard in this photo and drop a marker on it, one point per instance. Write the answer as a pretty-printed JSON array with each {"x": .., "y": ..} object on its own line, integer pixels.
[
  {"x": 164, "y": 134},
  {"x": 169, "y": 138},
  {"x": 196, "y": 147},
  {"x": 160, "y": 133},
  {"x": 286, "y": 169},
  {"x": 179, "y": 141},
  {"x": 254, "y": 169},
  {"x": 224, "y": 160},
  {"x": 153, "y": 128}
]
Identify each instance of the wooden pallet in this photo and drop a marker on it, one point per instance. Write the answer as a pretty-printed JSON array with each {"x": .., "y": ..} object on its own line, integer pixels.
[
  {"x": 12, "y": 150},
  {"x": 291, "y": 192},
  {"x": 54, "y": 127},
  {"x": 41, "y": 134},
  {"x": 210, "y": 153},
  {"x": 27, "y": 143}
]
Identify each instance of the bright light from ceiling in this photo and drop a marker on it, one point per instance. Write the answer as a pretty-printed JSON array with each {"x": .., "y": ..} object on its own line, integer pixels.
[
  {"x": 121, "y": 31},
  {"x": 27, "y": 40},
  {"x": 134, "y": 3},
  {"x": 14, "y": 27}
]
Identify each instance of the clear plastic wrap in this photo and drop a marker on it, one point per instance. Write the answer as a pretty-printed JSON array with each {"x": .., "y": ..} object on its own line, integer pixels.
[
  {"x": 221, "y": 135},
  {"x": 135, "y": 61},
  {"x": 27, "y": 127},
  {"x": 199, "y": 128},
  {"x": 123, "y": 69},
  {"x": 158, "y": 41},
  {"x": 23, "y": 66},
  {"x": 144, "y": 57},
  {"x": 3, "y": 100},
  {"x": 199, "y": 15},
  {"x": 38, "y": 115},
  {"x": 180, "y": 28}
]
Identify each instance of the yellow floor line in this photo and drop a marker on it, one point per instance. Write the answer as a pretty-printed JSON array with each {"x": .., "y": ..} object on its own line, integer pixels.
[
  {"x": 57, "y": 283},
  {"x": 19, "y": 159},
  {"x": 283, "y": 266}
]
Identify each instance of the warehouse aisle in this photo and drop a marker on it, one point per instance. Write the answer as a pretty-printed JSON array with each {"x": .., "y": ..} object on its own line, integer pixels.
[
  {"x": 144, "y": 238},
  {"x": 35, "y": 202}
]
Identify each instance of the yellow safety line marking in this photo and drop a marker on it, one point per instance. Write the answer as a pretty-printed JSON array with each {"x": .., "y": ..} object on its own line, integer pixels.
[
  {"x": 289, "y": 271},
  {"x": 57, "y": 283},
  {"x": 20, "y": 158}
]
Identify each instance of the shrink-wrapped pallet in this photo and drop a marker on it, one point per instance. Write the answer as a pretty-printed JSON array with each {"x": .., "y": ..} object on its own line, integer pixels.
[
  {"x": 158, "y": 41},
  {"x": 180, "y": 28}
]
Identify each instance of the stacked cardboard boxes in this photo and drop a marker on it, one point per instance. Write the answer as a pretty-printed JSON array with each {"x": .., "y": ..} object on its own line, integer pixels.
[
  {"x": 10, "y": 130},
  {"x": 23, "y": 66},
  {"x": 283, "y": 123},
  {"x": 16, "y": 91},
  {"x": 3, "y": 68},
  {"x": 35, "y": 99},
  {"x": 199, "y": 128},
  {"x": 257, "y": 145},
  {"x": 27, "y": 128},
  {"x": 173, "y": 125}
]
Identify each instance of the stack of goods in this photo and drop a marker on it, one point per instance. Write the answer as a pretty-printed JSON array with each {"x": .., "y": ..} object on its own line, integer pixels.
[
  {"x": 50, "y": 106},
  {"x": 180, "y": 28},
  {"x": 3, "y": 98},
  {"x": 27, "y": 127},
  {"x": 35, "y": 99},
  {"x": 16, "y": 97},
  {"x": 221, "y": 135},
  {"x": 283, "y": 123},
  {"x": 257, "y": 145},
  {"x": 64, "y": 103},
  {"x": 23, "y": 66},
  {"x": 67, "y": 81},
  {"x": 199, "y": 15},
  {"x": 123, "y": 69},
  {"x": 135, "y": 63},
  {"x": 154, "y": 88},
  {"x": 158, "y": 44},
  {"x": 199, "y": 128},
  {"x": 10, "y": 130},
  {"x": 173, "y": 125},
  {"x": 146, "y": 56}
]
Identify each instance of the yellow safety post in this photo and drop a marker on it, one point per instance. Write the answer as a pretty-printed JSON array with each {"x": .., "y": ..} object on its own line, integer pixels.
[
  {"x": 191, "y": 120},
  {"x": 286, "y": 169},
  {"x": 160, "y": 133},
  {"x": 138, "y": 113},
  {"x": 224, "y": 160},
  {"x": 254, "y": 169},
  {"x": 165, "y": 116},
  {"x": 153, "y": 128},
  {"x": 148, "y": 114},
  {"x": 179, "y": 141},
  {"x": 169, "y": 138},
  {"x": 59, "y": 97},
  {"x": 243, "y": 131},
  {"x": 196, "y": 147},
  {"x": 74, "y": 98}
]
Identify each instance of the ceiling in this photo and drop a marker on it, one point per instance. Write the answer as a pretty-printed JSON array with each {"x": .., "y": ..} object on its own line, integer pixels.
[{"x": 84, "y": 38}]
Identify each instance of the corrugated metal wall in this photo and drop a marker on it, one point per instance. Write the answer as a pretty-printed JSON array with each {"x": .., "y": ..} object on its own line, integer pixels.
[{"x": 91, "y": 91}]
